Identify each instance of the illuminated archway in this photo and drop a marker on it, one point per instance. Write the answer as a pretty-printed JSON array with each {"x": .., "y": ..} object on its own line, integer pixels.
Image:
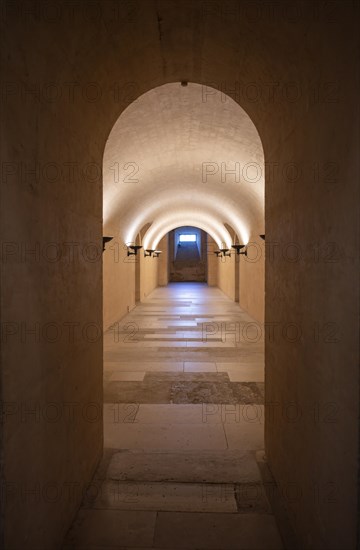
[{"x": 177, "y": 155}]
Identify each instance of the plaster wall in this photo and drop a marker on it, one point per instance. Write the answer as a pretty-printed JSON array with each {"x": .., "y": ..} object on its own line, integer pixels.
[
  {"x": 52, "y": 297},
  {"x": 252, "y": 279},
  {"x": 163, "y": 261},
  {"x": 226, "y": 275},
  {"x": 119, "y": 282},
  {"x": 120, "y": 272},
  {"x": 212, "y": 266},
  {"x": 148, "y": 275},
  {"x": 312, "y": 283}
]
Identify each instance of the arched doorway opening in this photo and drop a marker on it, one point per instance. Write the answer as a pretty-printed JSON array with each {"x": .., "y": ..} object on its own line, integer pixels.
[
  {"x": 194, "y": 166},
  {"x": 185, "y": 155},
  {"x": 187, "y": 255}
]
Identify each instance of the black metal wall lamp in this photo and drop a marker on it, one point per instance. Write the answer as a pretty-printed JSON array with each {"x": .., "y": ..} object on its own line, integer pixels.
[
  {"x": 224, "y": 252},
  {"x": 134, "y": 248},
  {"x": 106, "y": 240},
  {"x": 238, "y": 248}
]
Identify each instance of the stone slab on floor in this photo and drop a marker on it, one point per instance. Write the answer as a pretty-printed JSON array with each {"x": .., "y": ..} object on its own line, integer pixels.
[
  {"x": 241, "y": 377},
  {"x": 246, "y": 435},
  {"x": 243, "y": 372},
  {"x": 183, "y": 387},
  {"x": 128, "y": 376},
  {"x": 179, "y": 413},
  {"x": 164, "y": 496},
  {"x": 248, "y": 392},
  {"x": 137, "y": 392},
  {"x": 137, "y": 355},
  {"x": 197, "y": 391},
  {"x": 215, "y": 377},
  {"x": 252, "y": 498},
  {"x": 185, "y": 466},
  {"x": 217, "y": 531},
  {"x": 96, "y": 528},
  {"x": 174, "y": 413},
  {"x": 199, "y": 366},
  {"x": 166, "y": 437},
  {"x": 143, "y": 366}
]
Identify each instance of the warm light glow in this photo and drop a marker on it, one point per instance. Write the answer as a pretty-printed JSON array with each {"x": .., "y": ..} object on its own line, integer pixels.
[
  {"x": 202, "y": 221},
  {"x": 189, "y": 173}
]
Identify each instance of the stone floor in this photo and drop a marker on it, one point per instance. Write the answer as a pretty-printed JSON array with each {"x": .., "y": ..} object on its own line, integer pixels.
[{"x": 183, "y": 421}]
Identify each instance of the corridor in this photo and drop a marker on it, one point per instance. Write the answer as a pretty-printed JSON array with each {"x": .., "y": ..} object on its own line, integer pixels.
[{"x": 183, "y": 430}]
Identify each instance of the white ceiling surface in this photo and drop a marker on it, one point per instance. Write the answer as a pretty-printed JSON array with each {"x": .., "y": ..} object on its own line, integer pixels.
[{"x": 154, "y": 167}]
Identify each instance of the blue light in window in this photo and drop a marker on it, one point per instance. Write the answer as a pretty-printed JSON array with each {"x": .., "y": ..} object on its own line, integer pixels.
[{"x": 187, "y": 238}]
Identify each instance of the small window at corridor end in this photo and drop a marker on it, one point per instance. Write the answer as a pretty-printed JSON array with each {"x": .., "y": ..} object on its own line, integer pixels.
[{"x": 187, "y": 238}]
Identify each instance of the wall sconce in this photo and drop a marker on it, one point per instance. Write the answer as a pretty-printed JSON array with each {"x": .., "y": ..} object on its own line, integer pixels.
[
  {"x": 238, "y": 247},
  {"x": 222, "y": 252},
  {"x": 262, "y": 237},
  {"x": 148, "y": 252},
  {"x": 157, "y": 253},
  {"x": 134, "y": 248},
  {"x": 106, "y": 240}
]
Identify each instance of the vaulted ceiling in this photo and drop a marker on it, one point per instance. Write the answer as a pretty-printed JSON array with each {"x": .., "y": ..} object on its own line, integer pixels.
[{"x": 183, "y": 155}]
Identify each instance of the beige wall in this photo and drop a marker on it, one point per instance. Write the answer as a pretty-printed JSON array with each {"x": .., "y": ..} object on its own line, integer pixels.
[
  {"x": 320, "y": 126},
  {"x": 148, "y": 274},
  {"x": 226, "y": 275},
  {"x": 248, "y": 287},
  {"x": 119, "y": 282},
  {"x": 163, "y": 261},
  {"x": 212, "y": 262},
  {"x": 252, "y": 279}
]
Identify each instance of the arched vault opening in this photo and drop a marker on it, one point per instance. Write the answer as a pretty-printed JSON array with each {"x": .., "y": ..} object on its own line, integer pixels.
[
  {"x": 183, "y": 155},
  {"x": 180, "y": 152}
]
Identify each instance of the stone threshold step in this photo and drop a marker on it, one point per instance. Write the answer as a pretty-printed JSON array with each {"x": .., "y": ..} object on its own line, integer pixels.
[
  {"x": 179, "y": 497},
  {"x": 185, "y": 466}
]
